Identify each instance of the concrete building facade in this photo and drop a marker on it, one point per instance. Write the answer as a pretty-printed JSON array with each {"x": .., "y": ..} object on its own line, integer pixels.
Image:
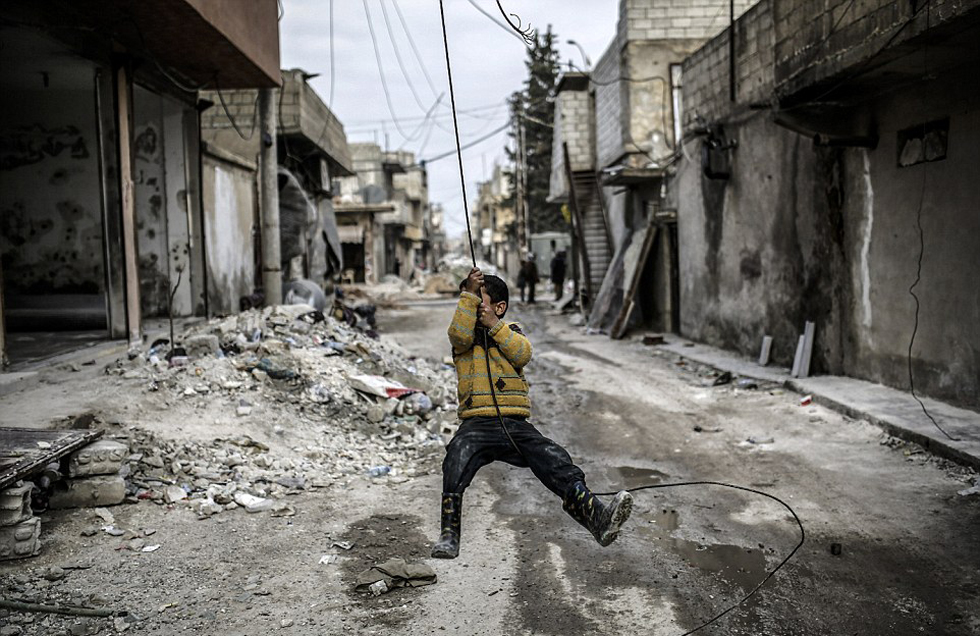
[
  {"x": 100, "y": 180},
  {"x": 838, "y": 181}
]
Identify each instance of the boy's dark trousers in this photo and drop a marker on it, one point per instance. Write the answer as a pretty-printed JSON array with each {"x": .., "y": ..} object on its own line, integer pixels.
[{"x": 480, "y": 441}]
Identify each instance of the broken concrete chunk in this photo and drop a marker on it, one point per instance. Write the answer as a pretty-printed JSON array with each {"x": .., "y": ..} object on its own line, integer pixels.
[
  {"x": 21, "y": 540},
  {"x": 202, "y": 345},
  {"x": 104, "y": 457},
  {"x": 251, "y": 503},
  {"x": 15, "y": 504},
  {"x": 173, "y": 494},
  {"x": 88, "y": 492}
]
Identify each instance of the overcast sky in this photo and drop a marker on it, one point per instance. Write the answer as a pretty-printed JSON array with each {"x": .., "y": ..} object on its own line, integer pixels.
[{"x": 488, "y": 65}]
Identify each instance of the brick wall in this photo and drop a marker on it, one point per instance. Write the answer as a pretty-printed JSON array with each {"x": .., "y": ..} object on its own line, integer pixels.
[
  {"x": 814, "y": 39},
  {"x": 675, "y": 19},
  {"x": 706, "y": 73}
]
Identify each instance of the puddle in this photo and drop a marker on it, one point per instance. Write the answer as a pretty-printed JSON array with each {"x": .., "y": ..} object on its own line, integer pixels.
[
  {"x": 744, "y": 567},
  {"x": 631, "y": 477}
]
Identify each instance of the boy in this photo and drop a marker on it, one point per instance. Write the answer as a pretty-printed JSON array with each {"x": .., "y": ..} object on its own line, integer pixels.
[{"x": 480, "y": 440}]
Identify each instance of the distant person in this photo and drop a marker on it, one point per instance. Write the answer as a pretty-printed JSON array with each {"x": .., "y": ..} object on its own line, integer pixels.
[
  {"x": 479, "y": 333},
  {"x": 558, "y": 274},
  {"x": 530, "y": 277},
  {"x": 521, "y": 280}
]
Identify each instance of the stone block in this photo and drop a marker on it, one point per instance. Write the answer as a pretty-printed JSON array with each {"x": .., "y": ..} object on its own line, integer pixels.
[
  {"x": 104, "y": 457},
  {"x": 202, "y": 345},
  {"x": 15, "y": 504},
  {"x": 90, "y": 492},
  {"x": 21, "y": 540}
]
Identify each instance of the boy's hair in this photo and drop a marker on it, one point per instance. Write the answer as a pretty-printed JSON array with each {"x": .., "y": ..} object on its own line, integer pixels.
[{"x": 496, "y": 289}]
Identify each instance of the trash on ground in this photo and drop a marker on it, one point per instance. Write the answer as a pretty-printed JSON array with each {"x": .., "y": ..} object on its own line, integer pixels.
[{"x": 394, "y": 573}]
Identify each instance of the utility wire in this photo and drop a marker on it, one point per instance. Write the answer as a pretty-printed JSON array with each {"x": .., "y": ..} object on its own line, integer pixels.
[
  {"x": 448, "y": 153},
  {"x": 398, "y": 57},
  {"x": 415, "y": 49},
  {"x": 459, "y": 149},
  {"x": 381, "y": 72},
  {"x": 503, "y": 26},
  {"x": 743, "y": 488},
  {"x": 918, "y": 264}
]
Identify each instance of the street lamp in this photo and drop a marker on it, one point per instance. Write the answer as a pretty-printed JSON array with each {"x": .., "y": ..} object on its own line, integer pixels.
[{"x": 585, "y": 58}]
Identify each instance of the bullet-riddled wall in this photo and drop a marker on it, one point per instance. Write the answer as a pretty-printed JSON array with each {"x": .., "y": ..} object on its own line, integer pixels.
[
  {"x": 801, "y": 232},
  {"x": 51, "y": 236}
]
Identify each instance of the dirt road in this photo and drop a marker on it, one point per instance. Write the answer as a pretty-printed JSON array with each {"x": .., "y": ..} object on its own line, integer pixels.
[{"x": 908, "y": 562}]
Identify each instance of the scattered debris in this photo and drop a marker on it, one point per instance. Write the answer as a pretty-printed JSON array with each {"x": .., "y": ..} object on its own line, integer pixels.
[
  {"x": 760, "y": 440},
  {"x": 974, "y": 490},
  {"x": 394, "y": 573},
  {"x": 835, "y": 549},
  {"x": 747, "y": 384},
  {"x": 725, "y": 377},
  {"x": 806, "y": 400},
  {"x": 653, "y": 340}
]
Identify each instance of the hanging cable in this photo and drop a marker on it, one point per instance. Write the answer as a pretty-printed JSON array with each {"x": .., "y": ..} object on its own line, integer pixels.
[
  {"x": 415, "y": 49},
  {"x": 381, "y": 72}
]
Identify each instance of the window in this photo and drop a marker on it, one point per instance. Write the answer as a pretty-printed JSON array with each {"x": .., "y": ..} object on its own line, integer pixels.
[{"x": 922, "y": 143}]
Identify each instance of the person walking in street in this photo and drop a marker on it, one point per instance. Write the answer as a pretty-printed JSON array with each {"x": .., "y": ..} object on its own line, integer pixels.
[
  {"x": 558, "y": 273},
  {"x": 521, "y": 280},
  {"x": 530, "y": 276},
  {"x": 478, "y": 333}
]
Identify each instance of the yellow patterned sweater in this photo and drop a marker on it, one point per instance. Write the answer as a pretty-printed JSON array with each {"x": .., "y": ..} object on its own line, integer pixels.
[{"x": 510, "y": 351}]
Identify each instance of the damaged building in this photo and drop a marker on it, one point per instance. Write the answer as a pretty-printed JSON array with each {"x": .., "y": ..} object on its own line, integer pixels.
[
  {"x": 384, "y": 215},
  {"x": 615, "y": 134},
  {"x": 826, "y": 177},
  {"x": 312, "y": 153},
  {"x": 102, "y": 216}
]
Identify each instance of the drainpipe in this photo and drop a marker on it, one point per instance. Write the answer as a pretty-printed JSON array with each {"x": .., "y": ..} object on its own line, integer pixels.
[
  {"x": 3, "y": 328},
  {"x": 268, "y": 165}
]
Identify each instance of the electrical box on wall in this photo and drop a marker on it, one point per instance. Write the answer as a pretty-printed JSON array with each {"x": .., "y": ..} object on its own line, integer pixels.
[{"x": 922, "y": 143}]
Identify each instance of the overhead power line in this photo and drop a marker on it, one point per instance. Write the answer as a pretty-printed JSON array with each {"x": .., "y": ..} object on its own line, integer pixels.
[
  {"x": 415, "y": 49},
  {"x": 449, "y": 153},
  {"x": 398, "y": 57}
]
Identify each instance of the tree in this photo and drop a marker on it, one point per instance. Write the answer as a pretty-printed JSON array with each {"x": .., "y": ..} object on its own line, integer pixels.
[{"x": 534, "y": 106}]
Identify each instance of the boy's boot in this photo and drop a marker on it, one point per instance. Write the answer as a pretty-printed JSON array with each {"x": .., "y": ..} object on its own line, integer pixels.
[
  {"x": 447, "y": 547},
  {"x": 602, "y": 520}
]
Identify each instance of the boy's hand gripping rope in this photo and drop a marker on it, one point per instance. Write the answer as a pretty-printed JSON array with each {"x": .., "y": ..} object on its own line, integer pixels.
[{"x": 493, "y": 392}]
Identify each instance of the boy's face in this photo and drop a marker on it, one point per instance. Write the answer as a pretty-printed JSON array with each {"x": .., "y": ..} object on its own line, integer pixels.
[{"x": 498, "y": 308}]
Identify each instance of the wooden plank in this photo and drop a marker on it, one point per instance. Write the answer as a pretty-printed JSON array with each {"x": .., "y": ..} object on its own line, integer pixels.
[
  {"x": 619, "y": 327},
  {"x": 20, "y": 454},
  {"x": 124, "y": 102}
]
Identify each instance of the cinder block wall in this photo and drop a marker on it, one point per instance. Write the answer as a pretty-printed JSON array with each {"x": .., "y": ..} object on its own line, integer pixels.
[
  {"x": 574, "y": 125},
  {"x": 706, "y": 72},
  {"x": 814, "y": 39}
]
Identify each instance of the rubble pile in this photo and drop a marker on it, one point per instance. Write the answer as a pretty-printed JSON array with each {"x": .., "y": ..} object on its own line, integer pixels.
[{"x": 330, "y": 401}]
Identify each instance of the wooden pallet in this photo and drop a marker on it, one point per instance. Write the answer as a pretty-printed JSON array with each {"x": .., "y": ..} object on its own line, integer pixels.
[{"x": 25, "y": 450}]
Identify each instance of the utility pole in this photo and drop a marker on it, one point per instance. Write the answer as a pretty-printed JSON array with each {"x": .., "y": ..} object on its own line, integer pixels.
[
  {"x": 522, "y": 228},
  {"x": 268, "y": 167}
]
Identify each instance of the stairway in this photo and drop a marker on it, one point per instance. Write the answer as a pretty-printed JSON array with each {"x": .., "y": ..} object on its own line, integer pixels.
[{"x": 594, "y": 228}]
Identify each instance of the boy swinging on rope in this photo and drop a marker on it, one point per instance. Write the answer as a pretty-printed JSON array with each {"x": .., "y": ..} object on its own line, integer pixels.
[{"x": 480, "y": 440}]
